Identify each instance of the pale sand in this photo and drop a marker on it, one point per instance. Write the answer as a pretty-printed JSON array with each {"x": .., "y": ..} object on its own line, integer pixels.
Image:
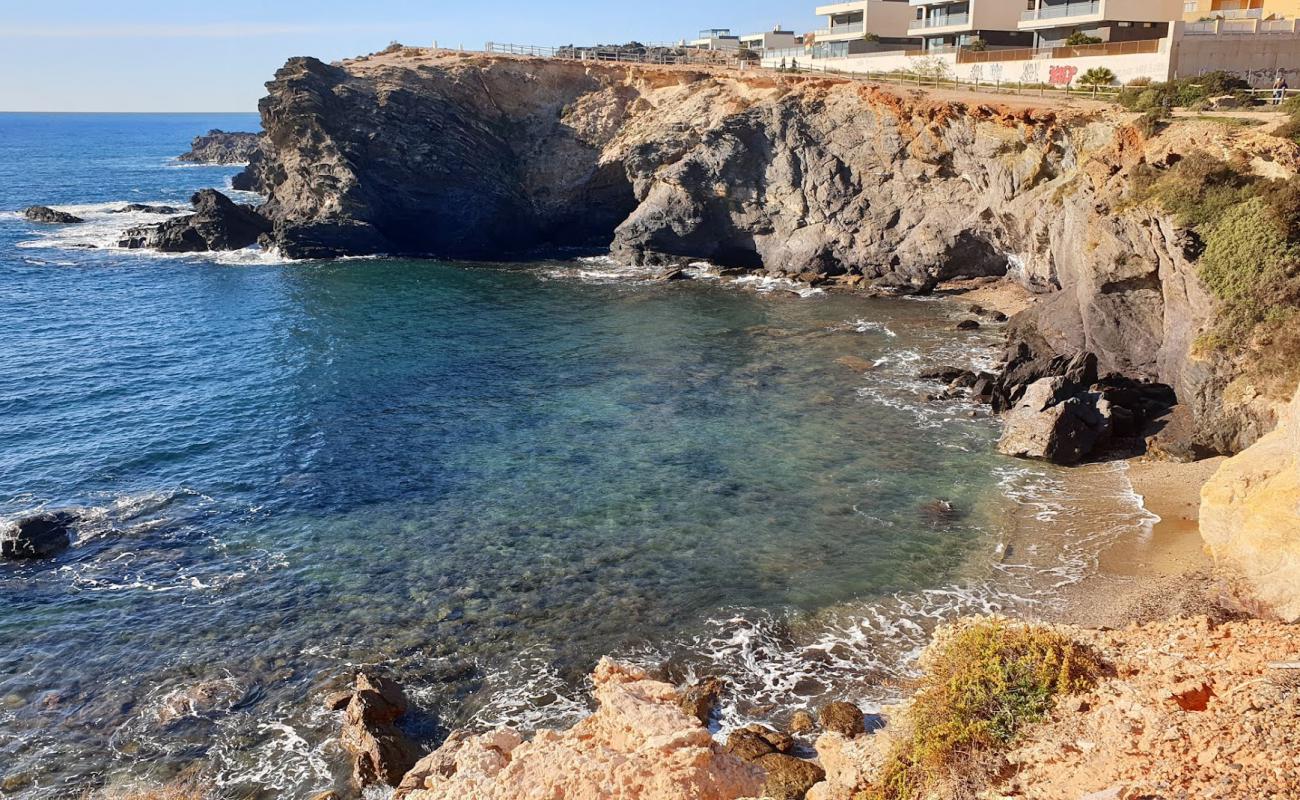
[
  {"x": 994, "y": 294},
  {"x": 1142, "y": 578}
]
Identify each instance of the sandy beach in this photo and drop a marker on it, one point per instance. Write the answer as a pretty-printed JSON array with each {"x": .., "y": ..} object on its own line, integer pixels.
[{"x": 1141, "y": 578}]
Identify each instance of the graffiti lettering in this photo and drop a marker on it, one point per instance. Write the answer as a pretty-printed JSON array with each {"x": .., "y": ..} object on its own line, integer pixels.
[{"x": 1061, "y": 76}]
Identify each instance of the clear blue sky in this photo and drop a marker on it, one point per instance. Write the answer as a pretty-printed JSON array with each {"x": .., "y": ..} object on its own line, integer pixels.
[{"x": 128, "y": 55}]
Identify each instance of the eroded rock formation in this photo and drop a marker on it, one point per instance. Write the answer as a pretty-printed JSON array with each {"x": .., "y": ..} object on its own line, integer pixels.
[
  {"x": 220, "y": 147},
  {"x": 218, "y": 223},
  {"x": 1250, "y": 520},
  {"x": 420, "y": 153},
  {"x": 639, "y": 743},
  {"x": 49, "y": 216}
]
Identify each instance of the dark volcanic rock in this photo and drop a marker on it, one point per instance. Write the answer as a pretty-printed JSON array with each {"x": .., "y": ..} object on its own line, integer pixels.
[
  {"x": 49, "y": 216},
  {"x": 220, "y": 147},
  {"x": 381, "y": 752},
  {"x": 39, "y": 536},
  {"x": 217, "y": 224},
  {"x": 142, "y": 208},
  {"x": 1054, "y": 424}
]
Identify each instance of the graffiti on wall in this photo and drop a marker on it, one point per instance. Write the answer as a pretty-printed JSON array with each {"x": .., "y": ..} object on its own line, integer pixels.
[{"x": 1061, "y": 76}]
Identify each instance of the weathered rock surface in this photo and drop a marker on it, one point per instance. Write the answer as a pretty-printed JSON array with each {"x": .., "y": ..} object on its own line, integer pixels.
[
  {"x": 381, "y": 752},
  {"x": 845, "y": 719},
  {"x": 142, "y": 208},
  {"x": 39, "y": 536},
  {"x": 1052, "y": 424},
  {"x": 416, "y": 153},
  {"x": 1250, "y": 520},
  {"x": 218, "y": 223},
  {"x": 49, "y": 216},
  {"x": 638, "y": 744},
  {"x": 220, "y": 147},
  {"x": 701, "y": 698}
]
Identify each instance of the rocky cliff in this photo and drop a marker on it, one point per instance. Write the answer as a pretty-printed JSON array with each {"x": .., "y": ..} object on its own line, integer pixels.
[
  {"x": 1250, "y": 520},
  {"x": 478, "y": 157},
  {"x": 220, "y": 147}
]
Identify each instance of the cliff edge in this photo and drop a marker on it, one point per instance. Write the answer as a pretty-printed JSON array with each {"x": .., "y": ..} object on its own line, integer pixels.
[{"x": 479, "y": 157}]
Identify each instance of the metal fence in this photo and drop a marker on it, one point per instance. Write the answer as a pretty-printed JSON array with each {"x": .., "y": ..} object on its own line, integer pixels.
[
  {"x": 1142, "y": 46},
  {"x": 649, "y": 55}
]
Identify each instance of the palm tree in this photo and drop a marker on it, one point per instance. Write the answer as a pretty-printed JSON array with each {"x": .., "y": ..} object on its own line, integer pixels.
[{"x": 1097, "y": 77}]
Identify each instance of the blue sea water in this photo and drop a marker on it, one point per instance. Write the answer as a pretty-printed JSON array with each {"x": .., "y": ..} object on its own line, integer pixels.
[{"x": 477, "y": 477}]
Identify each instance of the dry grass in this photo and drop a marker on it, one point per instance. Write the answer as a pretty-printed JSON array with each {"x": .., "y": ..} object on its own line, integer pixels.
[{"x": 983, "y": 680}]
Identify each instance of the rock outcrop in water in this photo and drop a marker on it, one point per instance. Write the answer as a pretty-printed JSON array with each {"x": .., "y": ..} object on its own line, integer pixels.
[
  {"x": 218, "y": 223},
  {"x": 638, "y": 744},
  {"x": 1250, "y": 520},
  {"x": 381, "y": 752},
  {"x": 481, "y": 157},
  {"x": 49, "y": 216},
  {"x": 220, "y": 147},
  {"x": 39, "y": 536}
]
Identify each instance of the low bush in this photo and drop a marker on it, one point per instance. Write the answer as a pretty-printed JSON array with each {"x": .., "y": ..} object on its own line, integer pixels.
[
  {"x": 1249, "y": 228},
  {"x": 981, "y": 684},
  {"x": 1183, "y": 92}
]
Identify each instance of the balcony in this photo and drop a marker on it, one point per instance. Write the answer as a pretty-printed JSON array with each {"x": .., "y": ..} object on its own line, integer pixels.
[
  {"x": 849, "y": 29},
  {"x": 946, "y": 21},
  {"x": 1062, "y": 12}
]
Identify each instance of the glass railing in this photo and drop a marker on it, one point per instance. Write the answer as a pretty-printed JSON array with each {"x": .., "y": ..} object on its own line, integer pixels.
[
  {"x": 1062, "y": 11},
  {"x": 942, "y": 22},
  {"x": 836, "y": 30}
]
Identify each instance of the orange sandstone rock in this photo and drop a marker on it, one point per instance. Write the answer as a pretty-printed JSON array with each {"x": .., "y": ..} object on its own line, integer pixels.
[{"x": 639, "y": 744}]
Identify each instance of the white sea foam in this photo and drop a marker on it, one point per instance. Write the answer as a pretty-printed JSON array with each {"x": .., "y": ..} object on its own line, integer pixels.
[
  {"x": 767, "y": 285},
  {"x": 529, "y": 694},
  {"x": 865, "y": 326},
  {"x": 103, "y": 228}
]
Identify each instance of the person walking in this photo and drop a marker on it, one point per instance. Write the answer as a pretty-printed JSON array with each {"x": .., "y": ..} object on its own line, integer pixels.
[{"x": 1279, "y": 90}]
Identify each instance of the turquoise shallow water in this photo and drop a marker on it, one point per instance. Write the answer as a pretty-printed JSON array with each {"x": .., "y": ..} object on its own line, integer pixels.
[{"x": 481, "y": 477}]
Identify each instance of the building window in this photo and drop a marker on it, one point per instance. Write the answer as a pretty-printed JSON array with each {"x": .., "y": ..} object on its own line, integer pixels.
[{"x": 1190, "y": 6}]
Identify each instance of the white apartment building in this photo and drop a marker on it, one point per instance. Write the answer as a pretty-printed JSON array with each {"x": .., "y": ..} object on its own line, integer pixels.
[
  {"x": 945, "y": 25},
  {"x": 863, "y": 26},
  {"x": 714, "y": 39},
  {"x": 1052, "y": 22},
  {"x": 768, "y": 41}
]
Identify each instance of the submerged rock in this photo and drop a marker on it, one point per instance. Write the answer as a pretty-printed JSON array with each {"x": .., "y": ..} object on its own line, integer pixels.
[
  {"x": 142, "y": 208},
  {"x": 220, "y": 147},
  {"x": 381, "y": 752},
  {"x": 49, "y": 216},
  {"x": 217, "y": 224},
  {"x": 40, "y": 536}
]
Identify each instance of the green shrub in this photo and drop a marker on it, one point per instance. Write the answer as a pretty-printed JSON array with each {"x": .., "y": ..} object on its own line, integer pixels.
[
  {"x": 1244, "y": 251},
  {"x": 980, "y": 686},
  {"x": 1079, "y": 38},
  {"x": 1182, "y": 93},
  {"x": 1199, "y": 189}
]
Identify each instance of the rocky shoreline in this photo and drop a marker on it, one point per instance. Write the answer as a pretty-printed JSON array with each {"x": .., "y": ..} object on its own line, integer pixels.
[
  {"x": 824, "y": 182},
  {"x": 847, "y": 186}
]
